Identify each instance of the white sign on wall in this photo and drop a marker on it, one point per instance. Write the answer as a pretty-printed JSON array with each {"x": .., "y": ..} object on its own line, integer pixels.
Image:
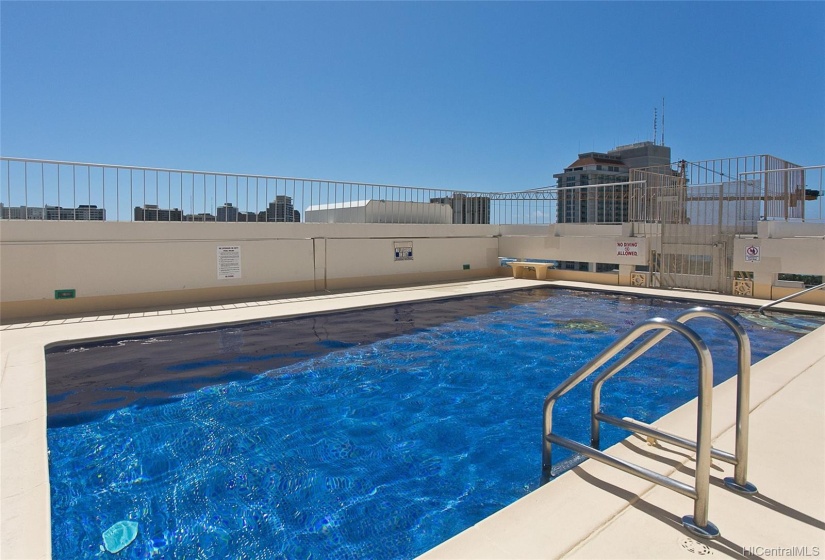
[
  {"x": 403, "y": 250},
  {"x": 752, "y": 253},
  {"x": 229, "y": 262},
  {"x": 627, "y": 248}
]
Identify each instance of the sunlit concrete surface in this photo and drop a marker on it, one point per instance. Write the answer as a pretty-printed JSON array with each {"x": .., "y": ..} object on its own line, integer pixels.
[{"x": 592, "y": 511}]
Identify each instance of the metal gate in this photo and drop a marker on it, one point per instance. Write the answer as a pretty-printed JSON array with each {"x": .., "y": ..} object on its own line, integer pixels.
[{"x": 694, "y": 212}]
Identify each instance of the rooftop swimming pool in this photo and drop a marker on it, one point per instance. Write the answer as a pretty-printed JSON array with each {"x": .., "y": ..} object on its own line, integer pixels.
[{"x": 376, "y": 433}]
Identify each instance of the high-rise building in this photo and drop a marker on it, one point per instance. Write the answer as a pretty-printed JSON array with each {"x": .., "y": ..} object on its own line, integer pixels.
[
  {"x": 595, "y": 189},
  {"x": 230, "y": 213},
  {"x": 227, "y": 213},
  {"x": 607, "y": 204},
  {"x": 467, "y": 209},
  {"x": 153, "y": 213},
  {"x": 282, "y": 210}
]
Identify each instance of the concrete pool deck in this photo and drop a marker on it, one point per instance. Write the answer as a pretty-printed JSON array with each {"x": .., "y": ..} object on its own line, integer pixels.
[{"x": 592, "y": 511}]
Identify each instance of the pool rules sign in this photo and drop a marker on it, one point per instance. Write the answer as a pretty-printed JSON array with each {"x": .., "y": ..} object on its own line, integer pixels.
[{"x": 229, "y": 262}]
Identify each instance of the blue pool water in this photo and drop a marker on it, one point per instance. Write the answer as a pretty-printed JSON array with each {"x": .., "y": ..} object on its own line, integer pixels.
[{"x": 368, "y": 449}]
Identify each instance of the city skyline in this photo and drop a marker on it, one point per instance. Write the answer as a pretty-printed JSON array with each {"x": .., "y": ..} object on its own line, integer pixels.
[{"x": 459, "y": 96}]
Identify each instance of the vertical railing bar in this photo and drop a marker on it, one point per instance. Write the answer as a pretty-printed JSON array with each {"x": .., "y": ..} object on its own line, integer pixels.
[
  {"x": 169, "y": 196},
  {"x": 25, "y": 191},
  {"x": 117, "y": 194},
  {"x": 181, "y": 197},
  {"x": 58, "y": 189},
  {"x": 42, "y": 189},
  {"x": 103, "y": 183},
  {"x": 8, "y": 185},
  {"x": 74, "y": 190},
  {"x": 88, "y": 190},
  {"x": 194, "y": 211}
]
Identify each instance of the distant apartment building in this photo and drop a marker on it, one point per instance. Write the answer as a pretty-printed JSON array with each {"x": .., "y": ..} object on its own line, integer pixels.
[
  {"x": 467, "y": 209},
  {"x": 227, "y": 213},
  {"x": 200, "y": 217},
  {"x": 603, "y": 204},
  {"x": 282, "y": 210},
  {"x": 153, "y": 213},
  {"x": 230, "y": 213},
  {"x": 22, "y": 213},
  {"x": 582, "y": 200},
  {"x": 86, "y": 212}
]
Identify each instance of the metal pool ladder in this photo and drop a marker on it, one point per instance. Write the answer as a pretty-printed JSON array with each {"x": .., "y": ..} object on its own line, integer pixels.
[{"x": 698, "y": 523}]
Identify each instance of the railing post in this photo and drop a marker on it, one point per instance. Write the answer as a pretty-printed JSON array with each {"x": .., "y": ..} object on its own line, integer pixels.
[{"x": 698, "y": 523}]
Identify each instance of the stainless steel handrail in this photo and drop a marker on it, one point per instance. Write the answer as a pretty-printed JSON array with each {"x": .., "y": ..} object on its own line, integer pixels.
[
  {"x": 739, "y": 481},
  {"x": 697, "y": 523},
  {"x": 792, "y": 296}
]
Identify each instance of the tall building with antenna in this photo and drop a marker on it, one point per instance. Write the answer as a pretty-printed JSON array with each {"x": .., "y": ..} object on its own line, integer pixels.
[
  {"x": 606, "y": 204},
  {"x": 594, "y": 188}
]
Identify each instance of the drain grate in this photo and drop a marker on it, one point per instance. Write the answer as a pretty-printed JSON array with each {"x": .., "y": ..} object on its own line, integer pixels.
[{"x": 696, "y": 547}]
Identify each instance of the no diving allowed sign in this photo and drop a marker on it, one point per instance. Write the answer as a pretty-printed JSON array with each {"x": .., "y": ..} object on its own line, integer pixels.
[{"x": 627, "y": 248}]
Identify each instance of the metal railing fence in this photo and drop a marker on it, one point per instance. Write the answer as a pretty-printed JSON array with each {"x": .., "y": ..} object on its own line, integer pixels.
[
  {"x": 34, "y": 189},
  {"x": 37, "y": 189},
  {"x": 747, "y": 188},
  {"x": 789, "y": 194}
]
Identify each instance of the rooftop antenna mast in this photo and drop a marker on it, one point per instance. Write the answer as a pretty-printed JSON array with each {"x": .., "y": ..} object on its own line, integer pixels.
[
  {"x": 663, "y": 121},
  {"x": 655, "y": 122}
]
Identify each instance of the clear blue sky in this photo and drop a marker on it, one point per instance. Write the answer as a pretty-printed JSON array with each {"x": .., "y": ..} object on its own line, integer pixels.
[{"x": 488, "y": 96}]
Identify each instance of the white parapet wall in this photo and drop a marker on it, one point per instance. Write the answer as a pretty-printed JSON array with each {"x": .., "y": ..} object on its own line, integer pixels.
[
  {"x": 119, "y": 266},
  {"x": 782, "y": 248},
  {"x": 111, "y": 266},
  {"x": 575, "y": 242}
]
